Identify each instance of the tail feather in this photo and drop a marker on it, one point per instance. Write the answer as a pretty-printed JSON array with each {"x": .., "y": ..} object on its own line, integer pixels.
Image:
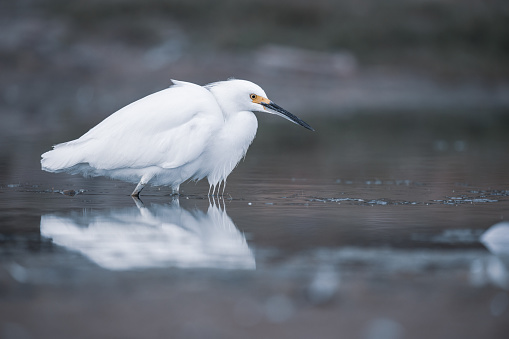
[{"x": 62, "y": 157}]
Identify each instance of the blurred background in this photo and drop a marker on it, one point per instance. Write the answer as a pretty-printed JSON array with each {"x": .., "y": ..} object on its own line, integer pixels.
[{"x": 68, "y": 62}]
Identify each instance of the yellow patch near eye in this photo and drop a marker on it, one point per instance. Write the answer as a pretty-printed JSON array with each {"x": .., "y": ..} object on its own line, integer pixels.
[{"x": 257, "y": 99}]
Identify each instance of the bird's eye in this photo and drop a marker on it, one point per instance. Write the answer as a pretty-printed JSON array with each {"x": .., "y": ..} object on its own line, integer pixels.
[{"x": 253, "y": 96}]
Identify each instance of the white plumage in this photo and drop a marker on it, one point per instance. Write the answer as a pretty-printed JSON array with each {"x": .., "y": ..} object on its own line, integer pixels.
[{"x": 183, "y": 132}]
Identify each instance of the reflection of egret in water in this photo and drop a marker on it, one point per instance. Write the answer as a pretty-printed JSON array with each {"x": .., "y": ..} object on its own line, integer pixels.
[{"x": 154, "y": 236}]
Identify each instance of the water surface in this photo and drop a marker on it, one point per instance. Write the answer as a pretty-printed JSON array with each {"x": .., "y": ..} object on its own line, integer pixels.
[{"x": 375, "y": 223}]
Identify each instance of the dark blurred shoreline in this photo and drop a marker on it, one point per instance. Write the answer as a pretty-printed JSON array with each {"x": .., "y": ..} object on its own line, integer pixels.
[{"x": 66, "y": 63}]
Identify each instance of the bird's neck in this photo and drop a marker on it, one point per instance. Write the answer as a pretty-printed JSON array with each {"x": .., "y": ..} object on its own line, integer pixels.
[{"x": 225, "y": 101}]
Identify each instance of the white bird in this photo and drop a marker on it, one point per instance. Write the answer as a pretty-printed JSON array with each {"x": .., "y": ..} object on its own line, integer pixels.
[{"x": 184, "y": 132}]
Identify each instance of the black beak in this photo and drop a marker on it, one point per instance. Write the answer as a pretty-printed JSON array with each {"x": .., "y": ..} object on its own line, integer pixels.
[{"x": 287, "y": 115}]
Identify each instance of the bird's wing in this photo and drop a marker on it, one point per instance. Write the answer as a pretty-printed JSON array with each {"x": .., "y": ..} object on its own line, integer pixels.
[{"x": 167, "y": 129}]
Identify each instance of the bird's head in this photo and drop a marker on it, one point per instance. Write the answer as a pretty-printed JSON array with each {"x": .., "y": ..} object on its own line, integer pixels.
[{"x": 237, "y": 95}]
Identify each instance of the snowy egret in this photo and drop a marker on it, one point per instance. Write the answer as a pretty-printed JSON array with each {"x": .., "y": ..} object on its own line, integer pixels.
[{"x": 184, "y": 132}]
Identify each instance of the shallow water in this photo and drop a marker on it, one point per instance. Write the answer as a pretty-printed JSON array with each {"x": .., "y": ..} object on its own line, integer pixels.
[{"x": 375, "y": 226}]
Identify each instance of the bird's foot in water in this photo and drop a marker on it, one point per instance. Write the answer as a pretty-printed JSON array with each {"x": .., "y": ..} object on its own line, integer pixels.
[
  {"x": 175, "y": 191},
  {"x": 138, "y": 189}
]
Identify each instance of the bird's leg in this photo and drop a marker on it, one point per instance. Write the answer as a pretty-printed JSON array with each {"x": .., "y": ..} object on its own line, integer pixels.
[
  {"x": 224, "y": 187},
  {"x": 175, "y": 195},
  {"x": 143, "y": 182},
  {"x": 175, "y": 190},
  {"x": 218, "y": 188},
  {"x": 137, "y": 190}
]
